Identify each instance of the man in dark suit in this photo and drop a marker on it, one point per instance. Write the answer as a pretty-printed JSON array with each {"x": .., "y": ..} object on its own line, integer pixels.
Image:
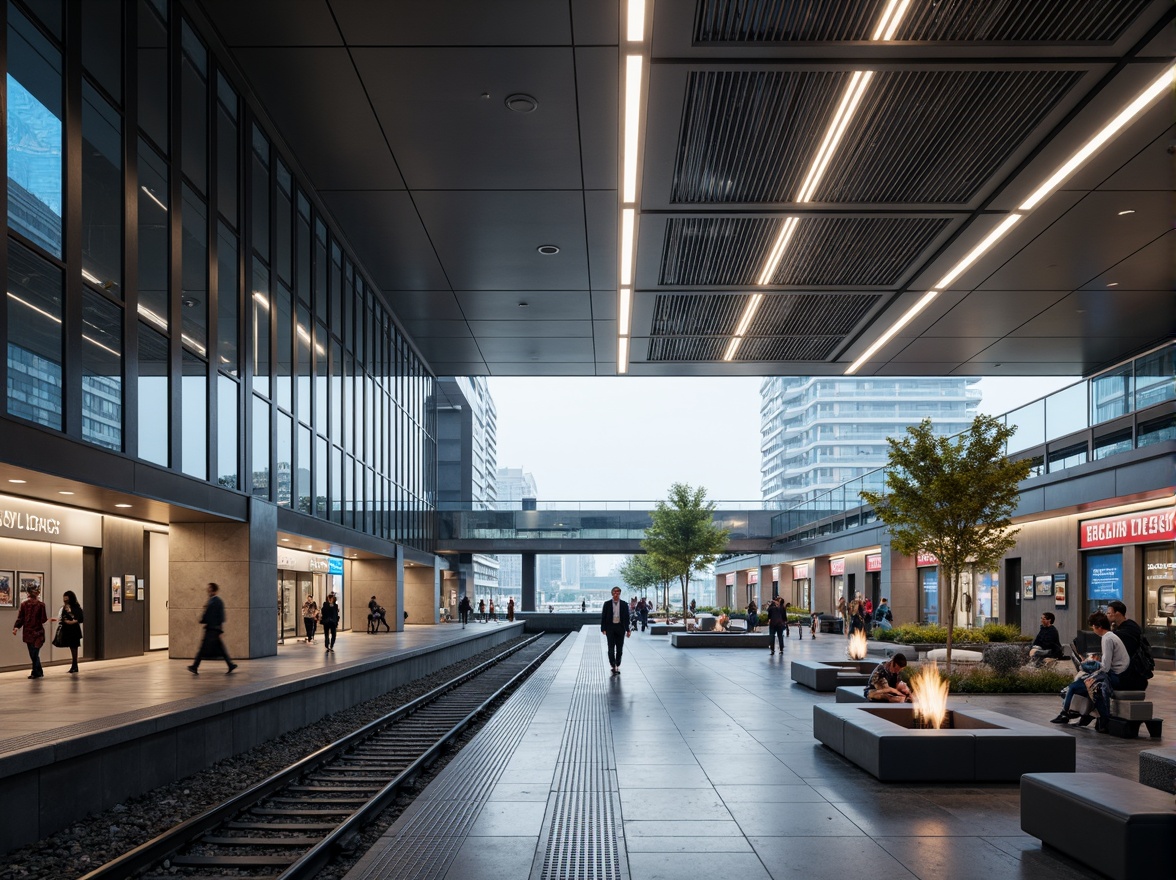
[{"x": 614, "y": 623}]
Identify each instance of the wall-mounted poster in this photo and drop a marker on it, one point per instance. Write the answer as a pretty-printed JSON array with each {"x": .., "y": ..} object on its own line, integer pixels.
[
  {"x": 1045, "y": 585},
  {"x": 27, "y": 579},
  {"x": 6, "y": 591},
  {"x": 1027, "y": 587},
  {"x": 1061, "y": 583},
  {"x": 129, "y": 588},
  {"x": 116, "y": 593},
  {"x": 141, "y": 590}
]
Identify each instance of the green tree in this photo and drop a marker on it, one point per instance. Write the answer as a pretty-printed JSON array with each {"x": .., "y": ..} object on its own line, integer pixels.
[
  {"x": 683, "y": 537},
  {"x": 644, "y": 572},
  {"x": 951, "y": 496}
]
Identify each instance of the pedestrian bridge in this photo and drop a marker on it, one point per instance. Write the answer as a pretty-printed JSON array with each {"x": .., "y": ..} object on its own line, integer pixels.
[{"x": 585, "y": 527}]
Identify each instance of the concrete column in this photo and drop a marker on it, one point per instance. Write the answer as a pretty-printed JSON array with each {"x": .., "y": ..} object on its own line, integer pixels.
[
  {"x": 530, "y": 576},
  {"x": 375, "y": 577},
  {"x": 242, "y": 558},
  {"x": 422, "y": 591},
  {"x": 900, "y": 584},
  {"x": 823, "y": 599},
  {"x": 739, "y": 600}
]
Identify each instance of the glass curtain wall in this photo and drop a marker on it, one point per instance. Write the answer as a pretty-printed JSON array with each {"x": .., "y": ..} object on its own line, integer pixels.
[{"x": 259, "y": 356}]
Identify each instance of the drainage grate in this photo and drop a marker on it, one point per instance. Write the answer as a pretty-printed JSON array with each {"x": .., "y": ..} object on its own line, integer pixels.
[{"x": 583, "y": 834}]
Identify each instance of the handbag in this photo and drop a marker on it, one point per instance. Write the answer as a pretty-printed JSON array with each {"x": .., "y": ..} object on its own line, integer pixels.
[{"x": 59, "y": 635}]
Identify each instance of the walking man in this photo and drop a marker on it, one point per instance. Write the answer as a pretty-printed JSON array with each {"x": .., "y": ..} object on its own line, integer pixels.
[
  {"x": 463, "y": 610},
  {"x": 213, "y": 619},
  {"x": 614, "y": 623}
]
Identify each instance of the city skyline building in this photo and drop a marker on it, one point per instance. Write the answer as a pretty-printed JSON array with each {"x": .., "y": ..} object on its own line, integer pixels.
[
  {"x": 467, "y": 469},
  {"x": 817, "y": 433}
]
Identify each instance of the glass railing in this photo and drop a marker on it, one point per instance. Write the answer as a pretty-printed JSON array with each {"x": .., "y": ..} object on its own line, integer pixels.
[
  {"x": 745, "y": 520},
  {"x": 1120, "y": 391}
]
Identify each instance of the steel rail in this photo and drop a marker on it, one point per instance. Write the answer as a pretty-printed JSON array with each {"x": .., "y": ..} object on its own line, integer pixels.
[{"x": 162, "y": 846}]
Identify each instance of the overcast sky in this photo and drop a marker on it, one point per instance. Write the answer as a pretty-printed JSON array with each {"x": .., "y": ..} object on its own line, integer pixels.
[{"x": 630, "y": 438}]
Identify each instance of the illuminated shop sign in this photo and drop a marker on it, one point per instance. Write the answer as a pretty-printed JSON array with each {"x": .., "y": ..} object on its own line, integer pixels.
[
  {"x": 837, "y": 566},
  {"x": 800, "y": 572},
  {"x": 874, "y": 562},
  {"x": 730, "y": 579},
  {"x": 44, "y": 522},
  {"x": 753, "y": 576},
  {"x": 925, "y": 559},
  {"x": 1142, "y": 527}
]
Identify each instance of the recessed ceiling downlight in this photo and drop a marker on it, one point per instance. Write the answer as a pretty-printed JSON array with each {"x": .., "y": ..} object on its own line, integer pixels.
[
  {"x": 521, "y": 103},
  {"x": 548, "y": 250}
]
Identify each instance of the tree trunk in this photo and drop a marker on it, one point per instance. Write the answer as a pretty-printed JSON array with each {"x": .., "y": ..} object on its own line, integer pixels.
[{"x": 954, "y": 582}]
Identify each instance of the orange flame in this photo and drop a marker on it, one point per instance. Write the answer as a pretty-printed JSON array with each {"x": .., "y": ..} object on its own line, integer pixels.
[
  {"x": 929, "y": 692},
  {"x": 857, "y": 645}
]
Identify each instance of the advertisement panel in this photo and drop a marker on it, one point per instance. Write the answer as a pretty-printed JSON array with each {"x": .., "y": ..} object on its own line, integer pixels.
[
  {"x": 1141, "y": 527},
  {"x": 1104, "y": 576}
]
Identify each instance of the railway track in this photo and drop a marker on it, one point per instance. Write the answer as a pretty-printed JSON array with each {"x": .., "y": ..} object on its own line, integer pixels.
[{"x": 293, "y": 823}]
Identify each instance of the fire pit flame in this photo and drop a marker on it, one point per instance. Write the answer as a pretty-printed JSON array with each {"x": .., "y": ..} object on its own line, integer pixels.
[
  {"x": 857, "y": 645},
  {"x": 929, "y": 690}
]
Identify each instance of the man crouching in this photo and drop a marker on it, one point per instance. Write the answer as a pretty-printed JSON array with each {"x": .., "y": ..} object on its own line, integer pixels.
[{"x": 885, "y": 686}]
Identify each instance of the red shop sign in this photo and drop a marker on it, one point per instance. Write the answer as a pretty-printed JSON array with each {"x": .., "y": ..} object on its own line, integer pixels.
[
  {"x": 874, "y": 562},
  {"x": 923, "y": 558},
  {"x": 731, "y": 579},
  {"x": 837, "y": 566},
  {"x": 799, "y": 572},
  {"x": 1143, "y": 527},
  {"x": 753, "y": 577}
]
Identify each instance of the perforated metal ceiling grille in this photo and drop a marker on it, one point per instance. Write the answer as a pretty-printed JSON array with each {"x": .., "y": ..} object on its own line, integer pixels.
[
  {"x": 788, "y": 326},
  {"x": 748, "y": 136},
  {"x": 920, "y": 137},
  {"x": 824, "y": 251},
  {"x": 744, "y": 21},
  {"x": 719, "y": 251},
  {"x": 935, "y": 137}
]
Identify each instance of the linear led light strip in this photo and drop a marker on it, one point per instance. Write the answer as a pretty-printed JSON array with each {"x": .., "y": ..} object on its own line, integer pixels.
[
  {"x": 1051, "y": 184},
  {"x": 634, "y": 64},
  {"x": 851, "y": 98}
]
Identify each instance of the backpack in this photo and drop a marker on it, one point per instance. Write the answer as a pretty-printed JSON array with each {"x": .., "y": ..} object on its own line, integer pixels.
[
  {"x": 889, "y": 616},
  {"x": 1142, "y": 663}
]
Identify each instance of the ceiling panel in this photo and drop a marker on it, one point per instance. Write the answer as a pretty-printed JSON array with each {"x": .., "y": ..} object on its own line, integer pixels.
[
  {"x": 454, "y": 22},
  {"x": 270, "y": 23},
  {"x": 1118, "y": 312},
  {"x": 547, "y": 348},
  {"x": 565, "y": 329},
  {"x": 991, "y": 313},
  {"x": 313, "y": 95},
  {"x": 383, "y": 224},
  {"x": 444, "y": 113},
  {"x": 489, "y": 240},
  {"x": 525, "y": 305}
]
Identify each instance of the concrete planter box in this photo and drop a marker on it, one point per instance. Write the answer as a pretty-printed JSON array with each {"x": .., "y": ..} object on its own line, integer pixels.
[
  {"x": 720, "y": 640},
  {"x": 984, "y": 746},
  {"x": 828, "y": 676}
]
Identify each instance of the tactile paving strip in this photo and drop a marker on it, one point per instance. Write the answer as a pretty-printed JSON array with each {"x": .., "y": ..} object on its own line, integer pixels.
[
  {"x": 582, "y": 835},
  {"x": 423, "y": 843}
]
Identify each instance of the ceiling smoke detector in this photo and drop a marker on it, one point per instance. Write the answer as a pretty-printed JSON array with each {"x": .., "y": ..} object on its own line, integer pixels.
[
  {"x": 521, "y": 103},
  {"x": 547, "y": 249}
]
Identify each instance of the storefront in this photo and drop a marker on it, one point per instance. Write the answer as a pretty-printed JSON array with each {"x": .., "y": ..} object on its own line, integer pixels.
[
  {"x": 837, "y": 580},
  {"x": 302, "y": 574},
  {"x": 874, "y": 577},
  {"x": 1141, "y": 541},
  {"x": 752, "y": 587},
  {"x": 927, "y": 566},
  {"x": 802, "y": 586}
]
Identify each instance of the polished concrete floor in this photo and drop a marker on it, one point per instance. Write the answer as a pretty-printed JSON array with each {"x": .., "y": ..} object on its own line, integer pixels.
[
  {"x": 697, "y": 764},
  {"x": 104, "y": 693}
]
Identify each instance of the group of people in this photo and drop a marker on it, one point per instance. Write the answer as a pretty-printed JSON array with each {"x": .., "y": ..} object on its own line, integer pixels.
[
  {"x": 31, "y": 618},
  {"x": 859, "y": 614},
  {"x": 1123, "y": 662},
  {"x": 327, "y": 616},
  {"x": 779, "y": 627},
  {"x": 465, "y": 609}
]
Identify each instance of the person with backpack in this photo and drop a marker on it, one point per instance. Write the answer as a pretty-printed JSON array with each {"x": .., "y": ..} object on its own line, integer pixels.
[
  {"x": 1141, "y": 668},
  {"x": 883, "y": 618}
]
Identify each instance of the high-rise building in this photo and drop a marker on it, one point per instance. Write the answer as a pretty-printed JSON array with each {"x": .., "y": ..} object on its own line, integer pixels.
[
  {"x": 819, "y": 432},
  {"x": 514, "y": 484},
  {"x": 467, "y": 467}
]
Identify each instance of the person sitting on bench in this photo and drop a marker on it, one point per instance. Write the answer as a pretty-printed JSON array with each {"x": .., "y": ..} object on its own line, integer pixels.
[
  {"x": 885, "y": 686},
  {"x": 1113, "y": 661},
  {"x": 1048, "y": 644}
]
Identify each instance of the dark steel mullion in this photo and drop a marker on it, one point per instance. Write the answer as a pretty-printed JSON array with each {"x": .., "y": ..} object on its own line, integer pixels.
[
  {"x": 212, "y": 221},
  {"x": 72, "y": 222},
  {"x": 4, "y": 200},
  {"x": 130, "y": 163},
  {"x": 175, "y": 188}
]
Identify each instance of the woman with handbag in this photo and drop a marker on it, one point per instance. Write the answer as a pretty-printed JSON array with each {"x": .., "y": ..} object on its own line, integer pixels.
[
  {"x": 69, "y": 626},
  {"x": 30, "y": 622}
]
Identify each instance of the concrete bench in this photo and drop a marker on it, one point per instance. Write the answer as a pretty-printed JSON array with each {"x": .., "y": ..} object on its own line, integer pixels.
[
  {"x": 663, "y": 629},
  {"x": 849, "y": 694},
  {"x": 889, "y": 649},
  {"x": 1157, "y": 768},
  {"x": 828, "y": 676},
  {"x": 720, "y": 640},
  {"x": 1130, "y": 710},
  {"x": 1118, "y": 827}
]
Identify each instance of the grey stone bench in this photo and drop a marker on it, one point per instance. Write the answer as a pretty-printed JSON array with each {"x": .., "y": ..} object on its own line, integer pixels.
[
  {"x": 1157, "y": 768},
  {"x": 1118, "y": 827},
  {"x": 1130, "y": 710},
  {"x": 889, "y": 649},
  {"x": 848, "y": 694},
  {"x": 829, "y": 676},
  {"x": 662, "y": 629},
  {"x": 720, "y": 640}
]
